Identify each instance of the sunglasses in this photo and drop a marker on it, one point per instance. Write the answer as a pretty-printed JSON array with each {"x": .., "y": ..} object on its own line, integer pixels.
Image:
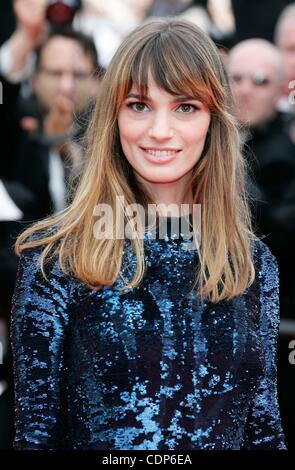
[{"x": 257, "y": 78}]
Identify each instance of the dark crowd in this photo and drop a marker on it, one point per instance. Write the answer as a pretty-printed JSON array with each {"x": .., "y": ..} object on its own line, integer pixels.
[{"x": 53, "y": 55}]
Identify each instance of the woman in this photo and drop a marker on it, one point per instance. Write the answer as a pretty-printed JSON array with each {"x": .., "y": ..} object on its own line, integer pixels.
[{"x": 133, "y": 342}]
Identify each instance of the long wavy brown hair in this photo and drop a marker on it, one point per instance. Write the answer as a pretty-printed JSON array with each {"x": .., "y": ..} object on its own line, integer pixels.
[{"x": 182, "y": 60}]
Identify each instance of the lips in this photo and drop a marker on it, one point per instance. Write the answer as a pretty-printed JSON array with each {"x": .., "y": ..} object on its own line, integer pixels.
[{"x": 159, "y": 155}]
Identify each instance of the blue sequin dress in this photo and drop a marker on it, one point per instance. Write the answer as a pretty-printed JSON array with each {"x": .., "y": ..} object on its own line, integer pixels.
[{"x": 151, "y": 368}]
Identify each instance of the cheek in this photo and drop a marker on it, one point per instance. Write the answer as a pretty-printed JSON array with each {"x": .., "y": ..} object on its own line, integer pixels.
[
  {"x": 130, "y": 131},
  {"x": 94, "y": 87},
  {"x": 44, "y": 89},
  {"x": 267, "y": 99},
  {"x": 254, "y": 101},
  {"x": 37, "y": 85},
  {"x": 196, "y": 134},
  {"x": 201, "y": 136}
]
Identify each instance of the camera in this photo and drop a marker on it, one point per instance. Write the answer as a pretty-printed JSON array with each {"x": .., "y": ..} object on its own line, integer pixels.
[{"x": 62, "y": 12}]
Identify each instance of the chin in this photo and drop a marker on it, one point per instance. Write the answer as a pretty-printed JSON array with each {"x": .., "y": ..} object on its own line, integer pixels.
[{"x": 157, "y": 179}]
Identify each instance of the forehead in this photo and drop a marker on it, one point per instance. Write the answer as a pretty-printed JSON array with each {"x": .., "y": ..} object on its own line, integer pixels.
[
  {"x": 62, "y": 52},
  {"x": 250, "y": 60},
  {"x": 286, "y": 36}
]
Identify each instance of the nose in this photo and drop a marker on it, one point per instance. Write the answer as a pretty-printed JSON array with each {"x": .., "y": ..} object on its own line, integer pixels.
[
  {"x": 161, "y": 127},
  {"x": 244, "y": 87},
  {"x": 67, "y": 84}
]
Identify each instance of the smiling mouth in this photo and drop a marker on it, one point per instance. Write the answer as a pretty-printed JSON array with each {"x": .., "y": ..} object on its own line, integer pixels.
[{"x": 160, "y": 153}]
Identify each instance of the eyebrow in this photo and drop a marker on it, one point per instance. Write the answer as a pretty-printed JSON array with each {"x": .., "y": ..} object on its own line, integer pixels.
[{"x": 178, "y": 99}]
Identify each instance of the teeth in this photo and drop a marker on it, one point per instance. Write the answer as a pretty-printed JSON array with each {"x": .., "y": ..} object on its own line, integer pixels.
[{"x": 160, "y": 153}]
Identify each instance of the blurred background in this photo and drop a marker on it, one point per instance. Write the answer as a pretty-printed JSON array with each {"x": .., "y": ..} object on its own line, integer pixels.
[{"x": 53, "y": 55}]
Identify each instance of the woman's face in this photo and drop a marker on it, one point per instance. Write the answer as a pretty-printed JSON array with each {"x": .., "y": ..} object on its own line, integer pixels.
[{"x": 162, "y": 135}]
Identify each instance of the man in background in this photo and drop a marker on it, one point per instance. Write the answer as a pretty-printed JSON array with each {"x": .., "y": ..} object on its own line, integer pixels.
[{"x": 64, "y": 84}]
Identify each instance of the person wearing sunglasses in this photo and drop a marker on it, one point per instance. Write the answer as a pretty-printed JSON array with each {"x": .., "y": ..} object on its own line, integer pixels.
[{"x": 255, "y": 69}]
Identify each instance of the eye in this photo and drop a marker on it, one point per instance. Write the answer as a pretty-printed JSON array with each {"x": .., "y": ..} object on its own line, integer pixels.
[
  {"x": 187, "y": 108},
  {"x": 236, "y": 78},
  {"x": 138, "y": 106}
]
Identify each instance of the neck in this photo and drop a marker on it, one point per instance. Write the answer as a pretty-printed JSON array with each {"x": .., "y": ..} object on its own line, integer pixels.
[{"x": 173, "y": 199}]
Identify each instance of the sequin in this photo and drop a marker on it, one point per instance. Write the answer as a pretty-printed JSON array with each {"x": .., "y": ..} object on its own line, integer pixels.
[{"x": 148, "y": 368}]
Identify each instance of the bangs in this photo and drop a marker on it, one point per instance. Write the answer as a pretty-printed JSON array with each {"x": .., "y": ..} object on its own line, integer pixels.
[
  {"x": 179, "y": 58},
  {"x": 175, "y": 69}
]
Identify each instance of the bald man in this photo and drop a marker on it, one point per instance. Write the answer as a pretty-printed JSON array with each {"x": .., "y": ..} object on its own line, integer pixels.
[
  {"x": 256, "y": 72},
  {"x": 255, "y": 67}
]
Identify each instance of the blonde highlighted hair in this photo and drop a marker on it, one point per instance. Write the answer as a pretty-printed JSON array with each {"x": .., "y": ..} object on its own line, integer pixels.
[{"x": 182, "y": 60}]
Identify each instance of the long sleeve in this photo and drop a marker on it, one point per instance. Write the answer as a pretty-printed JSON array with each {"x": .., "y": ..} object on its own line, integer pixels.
[
  {"x": 39, "y": 320},
  {"x": 263, "y": 427}
]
